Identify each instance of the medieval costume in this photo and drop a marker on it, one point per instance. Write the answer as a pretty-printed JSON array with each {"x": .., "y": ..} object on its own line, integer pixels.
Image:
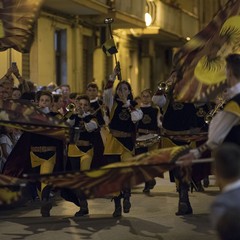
[{"x": 120, "y": 141}]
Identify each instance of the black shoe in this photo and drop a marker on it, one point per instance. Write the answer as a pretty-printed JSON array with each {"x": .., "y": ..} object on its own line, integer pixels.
[
  {"x": 200, "y": 187},
  {"x": 184, "y": 209},
  {"x": 146, "y": 190},
  {"x": 117, "y": 212},
  {"x": 146, "y": 187},
  {"x": 197, "y": 186},
  {"x": 152, "y": 183},
  {"x": 206, "y": 182},
  {"x": 45, "y": 209},
  {"x": 126, "y": 205},
  {"x": 118, "y": 207},
  {"x": 82, "y": 212}
]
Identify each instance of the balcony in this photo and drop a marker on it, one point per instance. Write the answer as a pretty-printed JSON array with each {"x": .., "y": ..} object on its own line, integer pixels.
[
  {"x": 170, "y": 25},
  {"x": 129, "y": 14}
]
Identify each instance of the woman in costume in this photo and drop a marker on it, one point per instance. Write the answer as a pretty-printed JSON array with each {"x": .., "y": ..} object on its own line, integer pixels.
[{"x": 120, "y": 142}]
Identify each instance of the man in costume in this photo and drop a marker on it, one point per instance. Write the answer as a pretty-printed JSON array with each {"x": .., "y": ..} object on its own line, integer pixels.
[
  {"x": 224, "y": 126},
  {"x": 81, "y": 147},
  {"x": 148, "y": 128},
  {"x": 41, "y": 153},
  {"x": 98, "y": 110},
  {"x": 179, "y": 120}
]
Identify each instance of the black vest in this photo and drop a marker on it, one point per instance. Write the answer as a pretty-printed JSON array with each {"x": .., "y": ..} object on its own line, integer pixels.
[{"x": 234, "y": 134}]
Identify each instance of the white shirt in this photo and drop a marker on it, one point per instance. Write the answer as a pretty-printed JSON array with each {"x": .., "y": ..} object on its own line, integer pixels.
[{"x": 223, "y": 122}]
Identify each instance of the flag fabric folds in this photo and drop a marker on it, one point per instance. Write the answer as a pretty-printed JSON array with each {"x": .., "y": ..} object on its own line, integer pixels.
[
  {"x": 117, "y": 176},
  {"x": 201, "y": 61},
  {"x": 17, "y": 20},
  {"x": 10, "y": 189},
  {"x": 109, "y": 47},
  {"x": 25, "y": 116}
]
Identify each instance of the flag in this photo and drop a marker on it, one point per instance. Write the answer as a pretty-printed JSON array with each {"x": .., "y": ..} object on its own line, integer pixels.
[
  {"x": 17, "y": 19},
  {"x": 10, "y": 189},
  {"x": 24, "y": 115},
  {"x": 109, "y": 47},
  {"x": 201, "y": 61},
  {"x": 116, "y": 176}
]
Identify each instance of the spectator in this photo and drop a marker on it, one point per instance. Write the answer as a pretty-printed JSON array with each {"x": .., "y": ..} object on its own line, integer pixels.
[
  {"x": 227, "y": 170},
  {"x": 16, "y": 93}
]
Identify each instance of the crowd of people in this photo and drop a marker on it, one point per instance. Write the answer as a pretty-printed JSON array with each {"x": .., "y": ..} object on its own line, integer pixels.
[{"x": 115, "y": 126}]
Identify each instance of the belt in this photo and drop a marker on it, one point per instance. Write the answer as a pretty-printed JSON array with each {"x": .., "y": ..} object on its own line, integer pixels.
[
  {"x": 83, "y": 143},
  {"x": 146, "y": 131},
  {"x": 183, "y": 132},
  {"x": 120, "y": 134},
  {"x": 43, "y": 149}
]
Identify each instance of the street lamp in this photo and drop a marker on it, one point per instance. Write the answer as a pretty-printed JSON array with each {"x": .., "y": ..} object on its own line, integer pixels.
[{"x": 148, "y": 19}]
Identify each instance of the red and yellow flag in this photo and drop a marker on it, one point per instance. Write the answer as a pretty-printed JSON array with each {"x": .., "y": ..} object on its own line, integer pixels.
[
  {"x": 17, "y": 18},
  {"x": 202, "y": 60}
]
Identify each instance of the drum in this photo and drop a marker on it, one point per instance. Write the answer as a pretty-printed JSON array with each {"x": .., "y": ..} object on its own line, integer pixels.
[{"x": 147, "y": 140}]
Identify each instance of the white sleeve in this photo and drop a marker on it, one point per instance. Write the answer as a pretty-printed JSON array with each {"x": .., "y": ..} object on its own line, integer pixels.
[
  {"x": 71, "y": 122},
  {"x": 159, "y": 100},
  {"x": 159, "y": 122},
  {"x": 108, "y": 98},
  {"x": 136, "y": 115},
  {"x": 219, "y": 128},
  {"x": 91, "y": 126}
]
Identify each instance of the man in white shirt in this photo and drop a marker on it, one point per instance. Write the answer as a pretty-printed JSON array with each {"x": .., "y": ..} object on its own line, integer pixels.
[{"x": 225, "y": 125}]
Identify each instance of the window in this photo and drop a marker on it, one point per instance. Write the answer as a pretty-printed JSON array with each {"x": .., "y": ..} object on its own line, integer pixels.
[{"x": 61, "y": 56}]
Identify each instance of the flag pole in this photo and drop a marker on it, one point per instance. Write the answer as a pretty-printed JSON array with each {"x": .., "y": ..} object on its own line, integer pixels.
[
  {"x": 109, "y": 21},
  {"x": 200, "y": 160}
]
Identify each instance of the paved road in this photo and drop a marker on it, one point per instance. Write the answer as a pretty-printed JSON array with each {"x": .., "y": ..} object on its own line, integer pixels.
[{"x": 151, "y": 217}]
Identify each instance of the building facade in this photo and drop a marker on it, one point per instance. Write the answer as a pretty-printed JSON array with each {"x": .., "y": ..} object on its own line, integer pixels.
[{"x": 69, "y": 36}]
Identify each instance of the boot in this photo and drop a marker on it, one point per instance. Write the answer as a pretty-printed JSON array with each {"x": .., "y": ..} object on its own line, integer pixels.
[
  {"x": 206, "y": 182},
  {"x": 126, "y": 193},
  {"x": 46, "y": 203},
  {"x": 184, "y": 206},
  {"x": 118, "y": 207},
  {"x": 83, "y": 209},
  {"x": 197, "y": 186},
  {"x": 46, "y": 207},
  {"x": 146, "y": 188},
  {"x": 152, "y": 183},
  {"x": 200, "y": 186}
]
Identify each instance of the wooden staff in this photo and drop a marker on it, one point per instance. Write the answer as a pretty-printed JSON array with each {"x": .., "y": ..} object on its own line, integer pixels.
[{"x": 109, "y": 21}]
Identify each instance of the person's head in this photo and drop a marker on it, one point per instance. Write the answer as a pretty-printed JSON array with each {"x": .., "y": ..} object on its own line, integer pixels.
[
  {"x": 228, "y": 226},
  {"x": 83, "y": 103},
  {"x": 92, "y": 90},
  {"x": 16, "y": 93},
  {"x": 227, "y": 163},
  {"x": 51, "y": 86},
  {"x": 58, "y": 100},
  {"x": 138, "y": 100},
  {"x": 233, "y": 69},
  {"x": 146, "y": 96},
  {"x": 44, "y": 99},
  {"x": 8, "y": 88},
  {"x": 2, "y": 92},
  {"x": 30, "y": 96},
  {"x": 6, "y": 130},
  {"x": 124, "y": 90},
  {"x": 65, "y": 91},
  {"x": 73, "y": 96}
]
